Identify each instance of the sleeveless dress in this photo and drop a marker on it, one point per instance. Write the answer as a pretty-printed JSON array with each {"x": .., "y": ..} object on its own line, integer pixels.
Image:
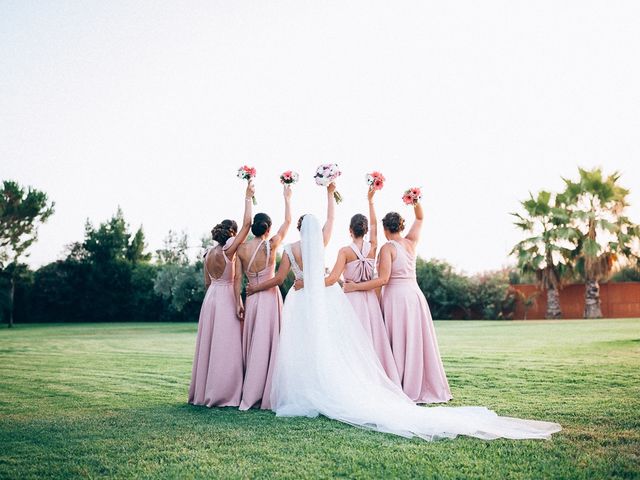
[
  {"x": 367, "y": 308},
  {"x": 216, "y": 378},
  {"x": 411, "y": 333},
  {"x": 260, "y": 335}
]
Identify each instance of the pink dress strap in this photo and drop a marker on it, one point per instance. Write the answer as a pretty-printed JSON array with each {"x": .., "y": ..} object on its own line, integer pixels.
[
  {"x": 253, "y": 257},
  {"x": 361, "y": 269},
  {"x": 402, "y": 248},
  {"x": 225, "y": 247},
  {"x": 362, "y": 255},
  {"x": 206, "y": 270}
]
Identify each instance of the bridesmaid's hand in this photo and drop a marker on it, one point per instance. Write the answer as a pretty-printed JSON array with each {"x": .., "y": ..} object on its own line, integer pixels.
[
  {"x": 250, "y": 290},
  {"x": 251, "y": 190},
  {"x": 370, "y": 194},
  {"x": 349, "y": 286},
  {"x": 287, "y": 192},
  {"x": 331, "y": 188},
  {"x": 299, "y": 284},
  {"x": 240, "y": 311}
]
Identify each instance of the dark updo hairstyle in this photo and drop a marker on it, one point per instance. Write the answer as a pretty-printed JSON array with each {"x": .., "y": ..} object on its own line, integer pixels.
[
  {"x": 300, "y": 221},
  {"x": 359, "y": 225},
  {"x": 224, "y": 231},
  {"x": 393, "y": 222},
  {"x": 261, "y": 223}
]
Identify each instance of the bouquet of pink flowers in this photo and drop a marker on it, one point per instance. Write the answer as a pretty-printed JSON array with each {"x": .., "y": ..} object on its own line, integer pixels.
[
  {"x": 375, "y": 180},
  {"x": 412, "y": 196},
  {"x": 289, "y": 177},
  {"x": 327, "y": 174},
  {"x": 248, "y": 174}
]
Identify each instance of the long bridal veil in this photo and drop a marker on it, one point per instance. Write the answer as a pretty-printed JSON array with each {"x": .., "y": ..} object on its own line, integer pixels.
[{"x": 326, "y": 365}]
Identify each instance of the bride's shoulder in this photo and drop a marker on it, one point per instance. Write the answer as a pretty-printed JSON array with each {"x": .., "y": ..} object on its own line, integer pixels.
[{"x": 288, "y": 248}]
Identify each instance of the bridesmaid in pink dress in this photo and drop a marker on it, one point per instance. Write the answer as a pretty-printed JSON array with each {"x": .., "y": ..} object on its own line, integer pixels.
[
  {"x": 406, "y": 313},
  {"x": 356, "y": 264},
  {"x": 216, "y": 378},
  {"x": 257, "y": 259}
]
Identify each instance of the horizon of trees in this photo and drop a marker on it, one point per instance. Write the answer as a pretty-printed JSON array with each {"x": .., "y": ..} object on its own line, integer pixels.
[{"x": 578, "y": 235}]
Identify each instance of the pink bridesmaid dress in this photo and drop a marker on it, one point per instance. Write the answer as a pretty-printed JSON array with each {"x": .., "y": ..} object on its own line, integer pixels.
[
  {"x": 216, "y": 378},
  {"x": 411, "y": 332},
  {"x": 260, "y": 336},
  {"x": 367, "y": 308}
]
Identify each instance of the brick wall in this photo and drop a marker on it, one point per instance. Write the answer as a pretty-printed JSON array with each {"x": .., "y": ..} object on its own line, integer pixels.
[{"x": 619, "y": 300}]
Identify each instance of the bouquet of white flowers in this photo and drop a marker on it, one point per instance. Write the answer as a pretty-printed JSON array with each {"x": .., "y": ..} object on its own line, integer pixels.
[{"x": 327, "y": 174}]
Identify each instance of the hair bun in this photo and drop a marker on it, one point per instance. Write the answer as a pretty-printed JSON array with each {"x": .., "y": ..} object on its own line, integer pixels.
[
  {"x": 393, "y": 222},
  {"x": 261, "y": 223},
  {"x": 224, "y": 231},
  {"x": 359, "y": 225}
]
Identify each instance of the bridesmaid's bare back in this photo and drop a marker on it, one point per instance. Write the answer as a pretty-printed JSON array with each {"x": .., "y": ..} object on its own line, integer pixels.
[
  {"x": 215, "y": 262},
  {"x": 260, "y": 262}
]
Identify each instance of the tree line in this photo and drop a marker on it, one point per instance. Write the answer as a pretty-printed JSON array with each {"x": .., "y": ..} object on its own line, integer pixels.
[
  {"x": 580, "y": 234},
  {"x": 111, "y": 276}
]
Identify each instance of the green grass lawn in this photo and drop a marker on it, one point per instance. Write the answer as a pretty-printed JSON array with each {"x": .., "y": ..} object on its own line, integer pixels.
[{"x": 96, "y": 400}]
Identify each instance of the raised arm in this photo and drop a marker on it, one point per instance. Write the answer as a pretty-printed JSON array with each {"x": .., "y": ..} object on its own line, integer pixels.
[
  {"x": 277, "y": 239},
  {"x": 338, "y": 268},
  {"x": 384, "y": 273},
  {"x": 373, "y": 222},
  {"x": 331, "y": 212},
  {"x": 414, "y": 231},
  {"x": 278, "y": 279},
  {"x": 246, "y": 221}
]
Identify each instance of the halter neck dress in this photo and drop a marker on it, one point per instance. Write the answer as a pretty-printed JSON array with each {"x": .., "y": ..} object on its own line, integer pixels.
[
  {"x": 260, "y": 335},
  {"x": 216, "y": 377},
  {"x": 367, "y": 308},
  {"x": 412, "y": 334}
]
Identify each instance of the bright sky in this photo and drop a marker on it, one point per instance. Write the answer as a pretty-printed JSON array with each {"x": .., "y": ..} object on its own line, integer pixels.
[{"x": 153, "y": 105}]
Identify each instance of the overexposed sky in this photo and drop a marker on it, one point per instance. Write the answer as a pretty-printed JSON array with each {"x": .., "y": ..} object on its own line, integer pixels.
[{"x": 153, "y": 105}]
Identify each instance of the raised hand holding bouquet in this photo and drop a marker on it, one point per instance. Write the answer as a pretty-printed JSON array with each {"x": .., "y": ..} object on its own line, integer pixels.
[
  {"x": 375, "y": 180},
  {"x": 412, "y": 196},
  {"x": 326, "y": 174},
  {"x": 248, "y": 174},
  {"x": 289, "y": 177}
]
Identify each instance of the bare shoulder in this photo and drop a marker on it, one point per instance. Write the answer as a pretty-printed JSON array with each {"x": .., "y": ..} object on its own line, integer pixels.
[
  {"x": 242, "y": 249},
  {"x": 347, "y": 253},
  {"x": 409, "y": 244},
  {"x": 388, "y": 249},
  {"x": 296, "y": 249}
]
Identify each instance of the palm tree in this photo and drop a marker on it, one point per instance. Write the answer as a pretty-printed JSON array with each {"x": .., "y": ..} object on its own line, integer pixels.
[
  {"x": 547, "y": 250},
  {"x": 596, "y": 205}
]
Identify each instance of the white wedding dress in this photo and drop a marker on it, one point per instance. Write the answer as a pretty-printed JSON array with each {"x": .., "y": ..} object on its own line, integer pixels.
[{"x": 326, "y": 365}]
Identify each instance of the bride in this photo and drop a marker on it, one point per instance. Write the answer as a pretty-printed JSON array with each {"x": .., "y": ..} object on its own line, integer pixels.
[{"x": 326, "y": 365}]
